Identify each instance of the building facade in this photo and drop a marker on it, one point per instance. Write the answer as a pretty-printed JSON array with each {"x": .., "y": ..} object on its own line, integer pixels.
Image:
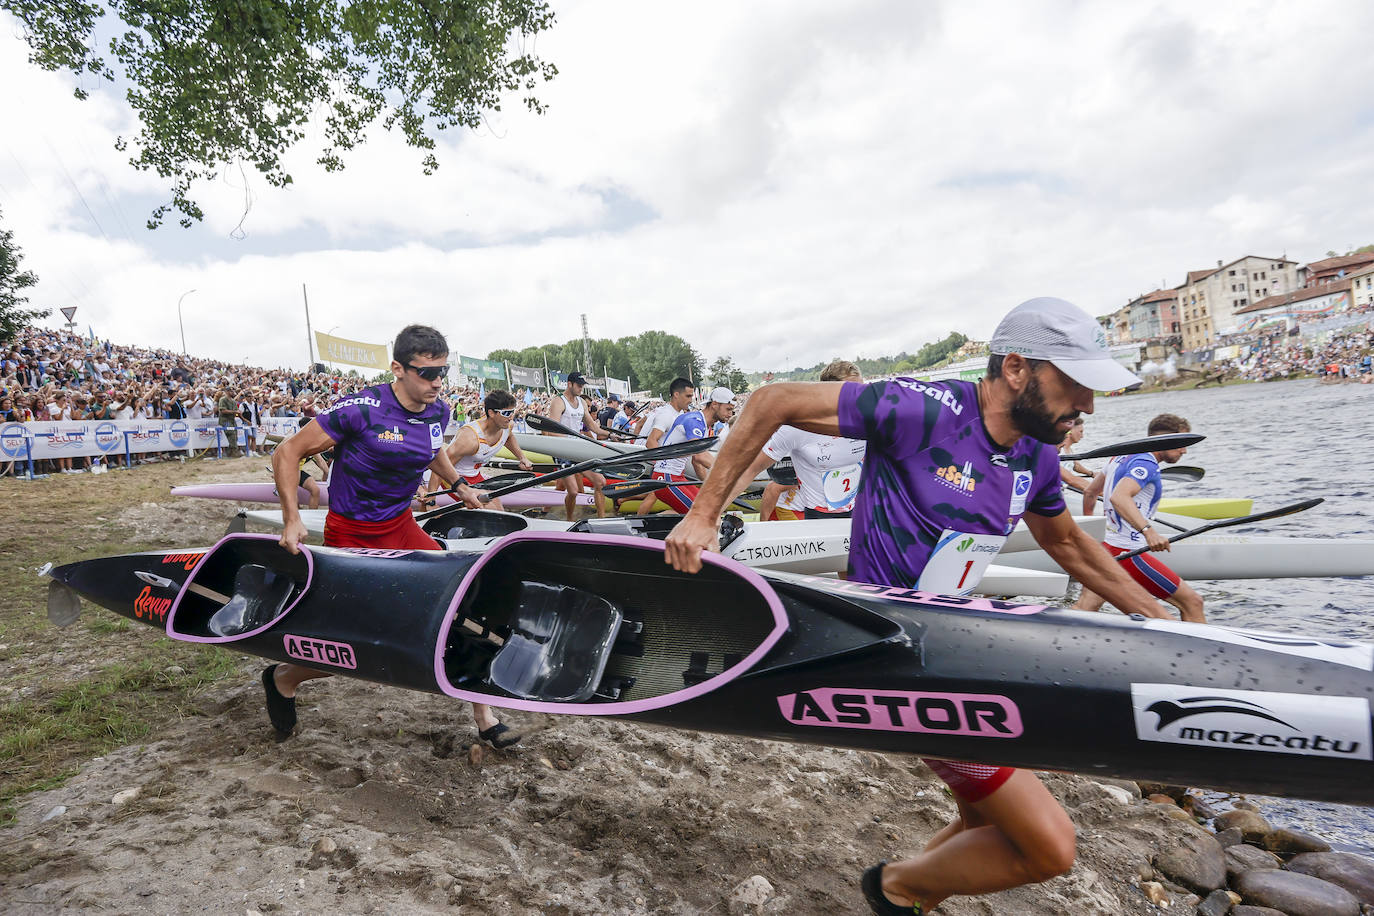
[{"x": 1208, "y": 300}]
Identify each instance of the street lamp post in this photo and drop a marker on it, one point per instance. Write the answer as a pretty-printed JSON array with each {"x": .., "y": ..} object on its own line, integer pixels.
[{"x": 182, "y": 323}]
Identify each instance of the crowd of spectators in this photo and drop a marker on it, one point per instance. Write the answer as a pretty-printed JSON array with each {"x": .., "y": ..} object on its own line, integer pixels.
[
  {"x": 1343, "y": 356},
  {"x": 52, "y": 374}
]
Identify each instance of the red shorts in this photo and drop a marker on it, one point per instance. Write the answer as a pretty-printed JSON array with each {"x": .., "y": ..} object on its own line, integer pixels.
[
  {"x": 972, "y": 782},
  {"x": 784, "y": 515},
  {"x": 679, "y": 498},
  {"x": 399, "y": 533},
  {"x": 472, "y": 481},
  {"x": 1149, "y": 571}
]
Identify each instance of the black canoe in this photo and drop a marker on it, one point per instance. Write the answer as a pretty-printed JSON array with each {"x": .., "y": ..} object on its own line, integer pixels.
[{"x": 592, "y": 624}]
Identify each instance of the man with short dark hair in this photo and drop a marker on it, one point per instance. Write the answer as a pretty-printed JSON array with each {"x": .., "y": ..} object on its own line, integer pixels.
[
  {"x": 478, "y": 440},
  {"x": 659, "y": 420},
  {"x": 1134, "y": 487},
  {"x": 948, "y": 465},
  {"x": 573, "y": 410},
  {"x": 606, "y": 415},
  {"x": 384, "y": 438}
]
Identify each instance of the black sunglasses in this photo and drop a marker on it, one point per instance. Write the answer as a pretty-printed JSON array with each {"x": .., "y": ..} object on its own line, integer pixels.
[{"x": 428, "y": 373}]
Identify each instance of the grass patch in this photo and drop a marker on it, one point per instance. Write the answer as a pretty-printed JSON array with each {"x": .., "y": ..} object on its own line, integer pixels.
[{"x": 119, "y": 703}]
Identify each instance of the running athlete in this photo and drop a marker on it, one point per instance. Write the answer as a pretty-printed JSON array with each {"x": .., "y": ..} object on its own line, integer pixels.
[
  {"x": 1134, "y": 487},
  {"x": 478, "y": 440},
  {"x": 573, "y": 411},
  {"x": 828, "y": 467},
  {"x": 950, "y": 468},
  {"x": 688, "y": 427},
  {"x": 657, "y": 423},
  {"x": 384, "y": 437},
  {"x": 308, "y": 483}
]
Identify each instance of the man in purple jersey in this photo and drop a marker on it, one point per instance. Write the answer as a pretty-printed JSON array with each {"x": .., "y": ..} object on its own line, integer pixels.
[
  {"x": 384, "y": 438},
  {"x": 949, "y": 469}
]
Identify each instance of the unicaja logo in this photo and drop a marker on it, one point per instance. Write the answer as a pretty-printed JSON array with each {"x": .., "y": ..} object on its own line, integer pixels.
[{"x": 964, "y": 545}]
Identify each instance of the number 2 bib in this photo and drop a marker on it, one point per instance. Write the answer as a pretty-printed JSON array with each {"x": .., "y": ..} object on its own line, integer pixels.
[
  {"x": 839, "y": 486},
  {"x": 957, "y": 564}
]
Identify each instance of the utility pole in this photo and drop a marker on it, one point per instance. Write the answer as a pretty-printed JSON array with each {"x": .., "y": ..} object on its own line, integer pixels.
[
  {"x": 586, "y": 347},
  {"x": 309, "y": 335}
]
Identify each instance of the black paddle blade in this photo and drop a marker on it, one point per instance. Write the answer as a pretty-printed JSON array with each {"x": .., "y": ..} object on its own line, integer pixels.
[
  {"x": 784, "y": 473},
  {"x": 505, "y": 480},
  {"x": 1183, "y": 472},
  {"x": 549, "y": 425},
  {"x": 1139, "y": 446},
  {"x": 1233, "y": 522}
]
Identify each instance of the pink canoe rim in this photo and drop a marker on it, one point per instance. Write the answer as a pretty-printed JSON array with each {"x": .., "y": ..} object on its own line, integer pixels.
[
  {"x": 608, "y": 709},
  {"x": 186, "y": 586}
]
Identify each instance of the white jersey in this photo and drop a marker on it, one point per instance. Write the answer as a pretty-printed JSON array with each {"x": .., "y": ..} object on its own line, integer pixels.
[
  {"x": 828, "y": 467},
  {"x": 574, "y": 415},
  {"x": 687, "y": 427},
  {"x": 468, "y": 465},
  {"x": 662, "y": 418}
]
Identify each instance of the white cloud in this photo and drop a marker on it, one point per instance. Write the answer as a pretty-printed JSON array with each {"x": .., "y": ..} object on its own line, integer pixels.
[{"x": 806, "y": 181}]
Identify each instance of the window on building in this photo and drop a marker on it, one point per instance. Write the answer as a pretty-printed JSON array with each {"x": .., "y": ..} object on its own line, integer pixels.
[{"x": 1231, "y": 273}]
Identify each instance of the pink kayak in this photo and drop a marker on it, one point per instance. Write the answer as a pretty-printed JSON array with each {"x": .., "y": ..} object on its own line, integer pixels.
[{"x": 266, "y": 492}]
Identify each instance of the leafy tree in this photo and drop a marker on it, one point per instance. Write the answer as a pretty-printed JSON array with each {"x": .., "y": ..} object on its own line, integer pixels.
[
  {"x": 659, "y": 357},
  {"x": 218, "y": 82},
  {"x": 723, "y": 371},
  {"x": 12, "y": 282}
]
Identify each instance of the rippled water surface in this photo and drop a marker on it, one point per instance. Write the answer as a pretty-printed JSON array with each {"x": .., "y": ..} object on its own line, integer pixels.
[{"x": 1279, "y": 443}]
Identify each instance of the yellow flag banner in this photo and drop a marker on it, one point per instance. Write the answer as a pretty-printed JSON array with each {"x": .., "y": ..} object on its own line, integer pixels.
[{"x": 353, "y": 352}]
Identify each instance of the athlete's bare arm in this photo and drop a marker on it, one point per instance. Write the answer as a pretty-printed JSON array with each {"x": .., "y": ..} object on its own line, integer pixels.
[
  {"x": 555, "y": 409},
  {"x": 286, "y": 463},
  {"x": 761, "y": 464},
  {"x": 1092, "y": 491},
  {"x": 1087, "y": 561},
  {"x": 813, "y": 406},
  {"x": 463, "y": 444},
  {"x": 443, "y": 468}
]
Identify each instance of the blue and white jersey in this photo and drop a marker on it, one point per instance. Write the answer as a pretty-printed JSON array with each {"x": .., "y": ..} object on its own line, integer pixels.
[
  {"x": 1144, "y": 470},
  {"x": 686, "y": 427}
]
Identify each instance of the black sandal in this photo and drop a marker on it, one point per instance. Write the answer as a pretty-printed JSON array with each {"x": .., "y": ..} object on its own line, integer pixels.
[
  {"x": 280, "y": 709},
  {"x": 872, "y": 885},
  {"x": 493, "y": 736}
]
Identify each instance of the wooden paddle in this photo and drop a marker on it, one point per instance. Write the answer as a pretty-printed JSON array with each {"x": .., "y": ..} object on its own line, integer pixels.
[
  {"x": 677, "y": 450},
  {"x": 1232, "y": 522}
]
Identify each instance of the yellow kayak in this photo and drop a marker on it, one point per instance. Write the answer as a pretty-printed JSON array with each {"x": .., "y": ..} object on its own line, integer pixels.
[
  {"x": 1209, "y": 507},
  {"x": 534, "y": 457}
]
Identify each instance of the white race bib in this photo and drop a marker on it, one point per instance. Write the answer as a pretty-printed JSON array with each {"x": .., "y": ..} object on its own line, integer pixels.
[
  {"x": 957, "y": 564},
  {"x": 840, "y": 485}
]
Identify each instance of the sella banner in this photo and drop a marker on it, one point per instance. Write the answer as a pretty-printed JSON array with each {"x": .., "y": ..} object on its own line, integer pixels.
[{"x": 352, "y": 352}]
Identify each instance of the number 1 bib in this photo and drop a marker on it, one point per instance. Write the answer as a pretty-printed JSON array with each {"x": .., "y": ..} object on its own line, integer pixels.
[{"x": 957, "y": 564}]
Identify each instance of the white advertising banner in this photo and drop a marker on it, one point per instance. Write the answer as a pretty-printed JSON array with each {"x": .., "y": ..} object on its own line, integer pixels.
[{"x": 75, "y": 438}]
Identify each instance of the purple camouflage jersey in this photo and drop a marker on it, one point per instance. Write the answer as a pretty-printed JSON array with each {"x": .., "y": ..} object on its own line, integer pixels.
[
  {"x": 938, "y": 497},
  {"x": 383, "y": 450}
]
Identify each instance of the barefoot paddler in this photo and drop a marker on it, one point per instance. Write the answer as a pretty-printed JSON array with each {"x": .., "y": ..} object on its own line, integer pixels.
[
  {"x": 384, "y": 438},
  {"x": 950, "y": 468}
]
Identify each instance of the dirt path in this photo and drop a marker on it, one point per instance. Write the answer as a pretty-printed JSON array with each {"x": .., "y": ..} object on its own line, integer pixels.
[{"x": 382, "y": 804}]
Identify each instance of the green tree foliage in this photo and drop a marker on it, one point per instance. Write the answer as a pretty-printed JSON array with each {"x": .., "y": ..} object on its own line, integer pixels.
[
  {"x": 220, "y": 82},
  {"x": 659, "y": 357},
  {"x": 13, "y": 282},
  {"x": 723, "y": 371},
  {"x": 929, "y": 356}
]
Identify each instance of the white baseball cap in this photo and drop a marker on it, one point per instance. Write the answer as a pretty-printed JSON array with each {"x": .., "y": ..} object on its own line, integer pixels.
[
  {"x": 1065, "y": 335},
  {"x": 722, "y": 396}
]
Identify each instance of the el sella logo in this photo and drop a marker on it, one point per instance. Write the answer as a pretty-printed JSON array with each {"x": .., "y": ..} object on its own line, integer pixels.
[{"x": 107, "y": 437}]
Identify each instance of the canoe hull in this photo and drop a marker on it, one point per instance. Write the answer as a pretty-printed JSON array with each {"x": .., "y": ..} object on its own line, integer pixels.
[
  {"x": 795, "y": 658},
  {"x": 1243, "y": 556}
]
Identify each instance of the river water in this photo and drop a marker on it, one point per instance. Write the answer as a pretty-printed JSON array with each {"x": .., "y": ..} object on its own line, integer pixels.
[{"x": 1279, "y": 443}]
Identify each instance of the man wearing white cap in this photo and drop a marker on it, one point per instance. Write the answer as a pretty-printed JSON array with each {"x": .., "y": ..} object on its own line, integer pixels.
[
  {"x": 694, "y": 424},
  {"x": 950, "y": 464}
]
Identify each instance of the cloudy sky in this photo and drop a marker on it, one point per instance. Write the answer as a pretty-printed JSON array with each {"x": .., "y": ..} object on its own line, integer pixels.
[{"x": 780, "y": 182}]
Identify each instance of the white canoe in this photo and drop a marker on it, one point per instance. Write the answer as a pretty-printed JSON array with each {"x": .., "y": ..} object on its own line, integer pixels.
[
  {"x": 570, "y": 448},
  {"x": 1246, "y": 556},
  {"x": 810, "y": 547}
]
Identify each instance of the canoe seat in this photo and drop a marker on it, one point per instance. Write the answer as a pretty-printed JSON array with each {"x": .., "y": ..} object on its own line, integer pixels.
[
  {"x": 560, "y": 641},
  {"x": 260, "y": 594}
]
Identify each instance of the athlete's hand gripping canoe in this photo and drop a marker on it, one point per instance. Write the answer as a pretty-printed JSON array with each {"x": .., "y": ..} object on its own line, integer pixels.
[{"x": 950, "y": 467}]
